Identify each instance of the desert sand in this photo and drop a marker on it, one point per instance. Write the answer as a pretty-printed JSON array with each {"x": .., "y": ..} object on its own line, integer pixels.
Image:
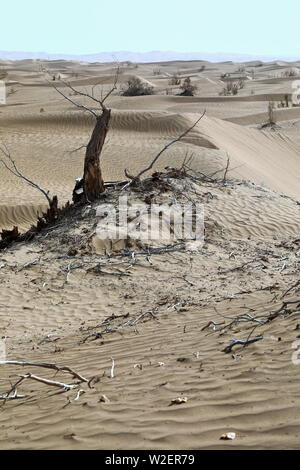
[{"x": 52, "y": 305}]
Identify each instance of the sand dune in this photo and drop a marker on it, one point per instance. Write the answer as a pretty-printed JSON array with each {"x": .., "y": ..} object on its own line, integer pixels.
[{"x": 134, "y": 138}]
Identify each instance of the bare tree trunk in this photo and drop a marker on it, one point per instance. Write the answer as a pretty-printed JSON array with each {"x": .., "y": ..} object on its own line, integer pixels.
[{"x": 93, "y": 184}]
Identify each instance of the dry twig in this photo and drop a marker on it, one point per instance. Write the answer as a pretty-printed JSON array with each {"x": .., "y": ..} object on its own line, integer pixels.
[
  {"x": 12, "y": 168},
  {"x": 47, "y": 366},
  {"x": 150, "y": 166}
]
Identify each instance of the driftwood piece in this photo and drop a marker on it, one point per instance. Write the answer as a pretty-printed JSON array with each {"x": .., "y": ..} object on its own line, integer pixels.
[
  {"x": 14, "y": 396},
  {"x": 52, "y": 383},
  {"x": 47, "y": 366},
  {"x": 228, "y": 348}
]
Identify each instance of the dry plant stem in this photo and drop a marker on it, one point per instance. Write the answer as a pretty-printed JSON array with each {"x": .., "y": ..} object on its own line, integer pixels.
[
  {"x": 47, "y": 366},
  {"x": 149, "y": 167},
  {"x": 80, "y": 106},
  {"x": 77, "y": 149},
  {"x": 238, "y": 268},
  {"x": 52, "y": 383},
  {"x": 151, "y": 251},
  {"x": 251, "y": 333},
  {"x": 281, "y": 309},
  {"x": 79, "y": 393},
  {"x": 16, "y": 172},
  {"x": 112, "y": 368},
  {"x": 13, "y": 389},
  {"x": 12, "y": 397},
  {"x": 228, "y": 348},
  {"x": 226, "y": 170},
  {"x": 92, "y": 97},
  {"x": 290, "y": 289},
  {"x": 131, "y": 322}
]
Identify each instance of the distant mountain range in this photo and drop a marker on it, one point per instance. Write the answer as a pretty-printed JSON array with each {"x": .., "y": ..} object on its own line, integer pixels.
[{"x": 152, "y": 56}]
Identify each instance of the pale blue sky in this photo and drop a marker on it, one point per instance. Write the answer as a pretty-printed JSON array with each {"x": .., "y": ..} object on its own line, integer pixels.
[{"x": 257, "y": 27}]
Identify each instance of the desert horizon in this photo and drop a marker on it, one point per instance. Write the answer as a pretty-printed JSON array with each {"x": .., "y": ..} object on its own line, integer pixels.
[{"x": 151, "y": 56}]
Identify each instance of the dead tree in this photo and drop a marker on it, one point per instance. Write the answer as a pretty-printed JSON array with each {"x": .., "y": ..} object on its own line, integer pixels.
[{"x": 91, "y": 186}]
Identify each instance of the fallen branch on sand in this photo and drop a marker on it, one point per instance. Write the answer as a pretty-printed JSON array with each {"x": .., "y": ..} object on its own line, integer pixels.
[
  {"x": 297, "y": 284},
  {"x": 136, "y": 178},
  {"x": 240, "y": 267},
  {"x": 131, "y": 322},
  {"x": 12, "y": 393},
  {"x": 152, "y": 251},
  {"x": 260, "y": 320},
  {"x": 228, "y": 348},
  {"x": 47, "y": 366},
  {"x": 14, "y": 396},
  {"x": 52, "y": 383}
]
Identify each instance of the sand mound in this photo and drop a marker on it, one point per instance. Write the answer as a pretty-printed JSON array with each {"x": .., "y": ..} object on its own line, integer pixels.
[{"x": 152, "y": 313}]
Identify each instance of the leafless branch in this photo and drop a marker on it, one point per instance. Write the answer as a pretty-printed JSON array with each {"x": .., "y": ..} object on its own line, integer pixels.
[
  {"x": 79, "y": 148},
  {"x": 150, "y": 166},
  {"x": 290, "y": 289},
  {"x": 14, "y": 396},
  {"x": 100, "y": 102},
  {"x": 12, "y": 168},
  {"x": 130, "y": 322},
  {"x": 281, "y": 309},
  {"x": 52, "y": 383},
  {"x": 226, "y": 169},
  {"x": 80, "y": 106}
]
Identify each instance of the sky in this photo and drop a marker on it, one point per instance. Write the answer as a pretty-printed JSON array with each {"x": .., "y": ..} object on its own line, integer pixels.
[{"x": 255, "y": 27}]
